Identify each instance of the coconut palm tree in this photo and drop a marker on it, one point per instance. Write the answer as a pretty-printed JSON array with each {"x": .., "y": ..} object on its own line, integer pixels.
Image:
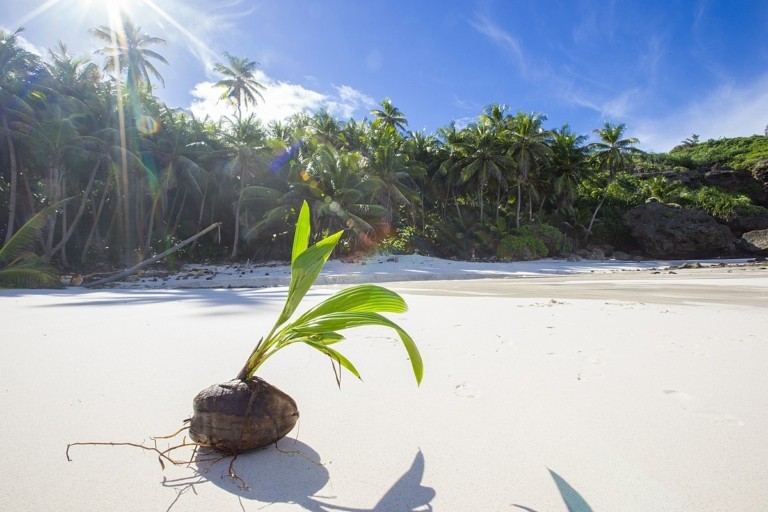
[
  {"x": 611, "y": 155},
  {"x": 18, "y": 67},
  {"x": 528, "y": 147},
  {"x": 389, "y": 116},
  {"x": 244, "y": 140},
  {"x": 484, "y": 157},
  {"x": 389, "y": 174},
  {"x": 240, "y": 85},
  {"x": 129, "y": 52},
  {"x": 568, "y": 165}
]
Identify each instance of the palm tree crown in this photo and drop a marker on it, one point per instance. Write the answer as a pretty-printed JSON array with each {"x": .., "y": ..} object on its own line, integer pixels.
[
  {"x": 612, "y": 151},
  {"x": 240, "y": 85},
  {"x": 129, "y": 51},
  {"x": 389, "y": 115}
]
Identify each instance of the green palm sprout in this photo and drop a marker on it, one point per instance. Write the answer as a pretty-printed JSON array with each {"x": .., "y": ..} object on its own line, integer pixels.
[{"x": 357, "y": 306}]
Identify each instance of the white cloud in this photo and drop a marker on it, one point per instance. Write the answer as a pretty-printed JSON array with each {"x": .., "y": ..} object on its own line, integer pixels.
[
  {"x": 281, "y": 100},
  {"x": 617, "y": 107},
  {"x": 506, "y": 41},
  {"x": 729, "y": 111}
]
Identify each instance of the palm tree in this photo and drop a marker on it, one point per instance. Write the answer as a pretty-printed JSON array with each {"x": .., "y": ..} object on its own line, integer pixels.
[
  {"x": 176, "y": 151},
  {"x": 129, "y": 52},
  {"x": 240, "y": 86},
  {"x": 611, "y": 155},
  {"x": 483, "y": 158},
  {"x": 568, "y": 165},
  {"x": 244, "y": 140},
  {"x": 389, "y": 174},
  {"x": 528, "y": 146},
  {"x": 389, "y": 116},
  {"x": 18, "y": 68}
]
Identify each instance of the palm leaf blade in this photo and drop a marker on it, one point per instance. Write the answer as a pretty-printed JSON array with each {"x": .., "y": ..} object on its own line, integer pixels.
[
  {"x": 348, "y": 320},
  {"x": 365, "y": 297}
]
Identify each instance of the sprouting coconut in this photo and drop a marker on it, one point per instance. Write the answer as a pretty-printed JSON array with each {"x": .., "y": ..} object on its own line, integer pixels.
[{"x": 248, "y": 412}]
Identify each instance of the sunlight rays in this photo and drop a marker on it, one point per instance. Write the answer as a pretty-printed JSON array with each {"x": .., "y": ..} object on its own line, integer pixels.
[{"x": 90, "y": 11}]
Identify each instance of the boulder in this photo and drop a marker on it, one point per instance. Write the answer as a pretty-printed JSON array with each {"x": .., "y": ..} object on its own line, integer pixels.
[
  {"x": 751, "y": 222},
  {"x": 755, "y": 242},
  {"x": 664, "y": 231}
]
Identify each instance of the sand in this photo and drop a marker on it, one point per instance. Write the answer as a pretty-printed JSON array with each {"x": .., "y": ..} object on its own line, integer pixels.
[{"x": 642, "y": 390}]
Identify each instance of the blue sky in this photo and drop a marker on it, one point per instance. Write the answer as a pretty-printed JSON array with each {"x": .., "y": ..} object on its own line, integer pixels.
[{"x": 667, "y": 69}]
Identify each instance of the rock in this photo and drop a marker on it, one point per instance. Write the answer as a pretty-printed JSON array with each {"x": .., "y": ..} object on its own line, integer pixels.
[
  {"x": 605, "y": 249},
  {"x": 743, "y": 223},
  {"x": 667, "y": 232},
  {"x": 621, "y": 256},
  {"x": 573, "y": 258},
  {"x": 755, "y": 242},
  {"x": 738, "y": 182},
  {"x": 749, "y": 183}
]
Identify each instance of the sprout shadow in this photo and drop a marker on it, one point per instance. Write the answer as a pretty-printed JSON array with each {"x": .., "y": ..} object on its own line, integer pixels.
[
  {"x": 573, "y": 500},
  {"x": 292, "y": 473}
]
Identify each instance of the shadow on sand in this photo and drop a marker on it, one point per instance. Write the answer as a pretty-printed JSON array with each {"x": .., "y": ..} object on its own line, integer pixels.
[
  {"x": 213, "y": 297},
  {"x": 292, "y": 474},
  {"x": 573, "y": 500}
]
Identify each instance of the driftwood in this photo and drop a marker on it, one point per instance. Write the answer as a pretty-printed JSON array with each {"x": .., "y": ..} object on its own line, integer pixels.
[{"x": 134, "y": 269}]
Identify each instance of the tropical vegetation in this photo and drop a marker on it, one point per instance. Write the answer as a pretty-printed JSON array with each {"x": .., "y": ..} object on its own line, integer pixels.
[{"x": 143, "y": 175}]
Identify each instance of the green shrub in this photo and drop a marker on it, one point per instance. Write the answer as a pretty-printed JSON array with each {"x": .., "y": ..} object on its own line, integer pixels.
[
  {"x": 410, "y": 240},
  {"x": 521, "y": 247},
  {"x": 720, "y": 204},
  {"x": 552, "y": 238}
]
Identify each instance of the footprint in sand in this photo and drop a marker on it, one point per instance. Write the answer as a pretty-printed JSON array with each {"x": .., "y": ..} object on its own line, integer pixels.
[
  {"x": 686, "y": 402},
  {"x": 464, "y": 390}
]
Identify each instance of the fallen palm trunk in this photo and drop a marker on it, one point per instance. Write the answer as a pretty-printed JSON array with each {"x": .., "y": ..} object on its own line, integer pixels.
[{"x": 146, "y": 263}]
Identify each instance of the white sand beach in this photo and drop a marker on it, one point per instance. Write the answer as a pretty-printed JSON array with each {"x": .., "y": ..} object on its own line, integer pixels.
[{"x": 599, "y": 386}]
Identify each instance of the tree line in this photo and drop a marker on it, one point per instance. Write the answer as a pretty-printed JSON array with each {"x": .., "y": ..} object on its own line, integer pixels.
[{"x": 139, "y": 176}]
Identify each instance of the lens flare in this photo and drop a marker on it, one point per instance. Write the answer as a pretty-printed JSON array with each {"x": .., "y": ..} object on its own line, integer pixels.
[{"x": 147, "y": 125}]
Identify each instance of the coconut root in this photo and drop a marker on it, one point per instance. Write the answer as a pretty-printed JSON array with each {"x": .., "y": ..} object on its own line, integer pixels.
[{"x": 164, "y": 456}]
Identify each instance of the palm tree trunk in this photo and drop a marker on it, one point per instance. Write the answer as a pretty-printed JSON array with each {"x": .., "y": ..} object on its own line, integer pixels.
[
  {"x": 14, "y": 182},
  {"x": 594, "y": 215},
  {"x": 519, "y": 200},
  {"x": 237, "y": 226},
  {"x": 83, "y": 202},
  {"x": 96, "y": 218}
]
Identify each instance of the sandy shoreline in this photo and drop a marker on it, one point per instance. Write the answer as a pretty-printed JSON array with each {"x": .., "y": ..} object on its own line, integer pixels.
[{"x": 642, "y": 391}]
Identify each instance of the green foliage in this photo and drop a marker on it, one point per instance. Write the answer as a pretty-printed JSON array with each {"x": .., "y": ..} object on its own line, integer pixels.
[
  {"x": 318, "y": 328},
  {"x": 22, "y": 268},
  {"x": 552, "y": 238},
  {"x": 410, "y": 240},
  {"x": 521, "y": 246},
  {"x": 722, "y": 205},
  {"x": 734, "y": 153}
]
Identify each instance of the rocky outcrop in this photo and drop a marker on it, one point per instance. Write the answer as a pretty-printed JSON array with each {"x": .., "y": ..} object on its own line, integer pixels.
[
  {"x": 744, "y": 182},
  {"x": 755, "y": 242},
  {"x": 750, "y": 222},
  {"x": 664, "y": 231}
]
